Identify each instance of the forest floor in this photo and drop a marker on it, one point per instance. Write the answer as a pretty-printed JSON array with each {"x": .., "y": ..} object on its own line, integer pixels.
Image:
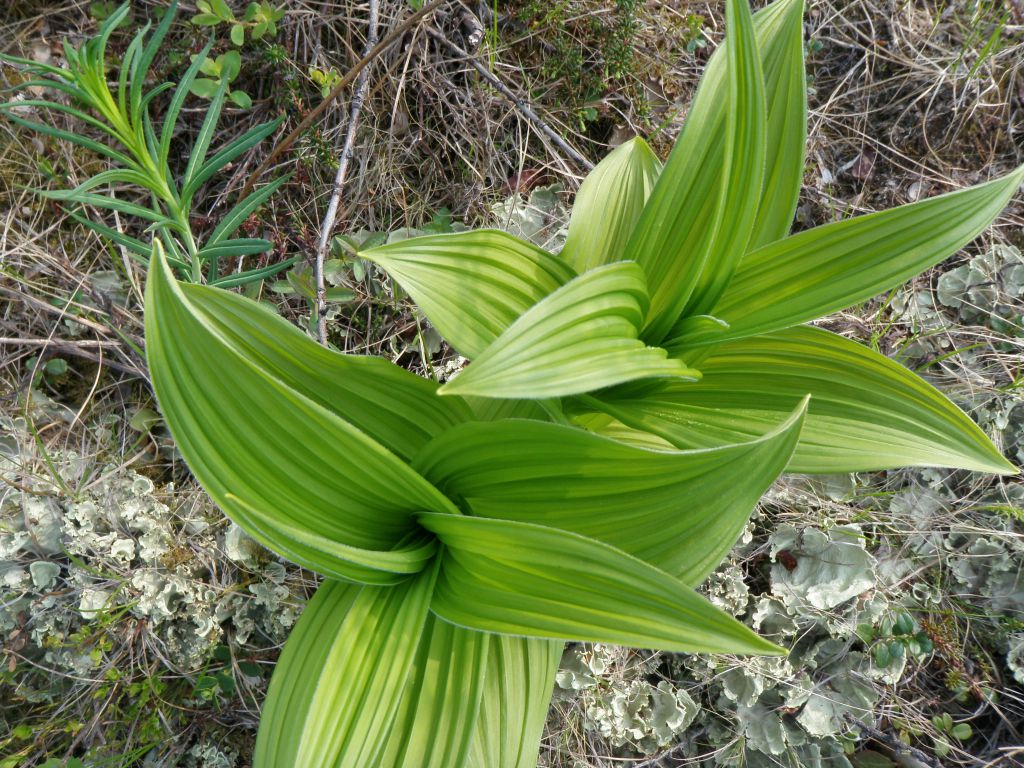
[{"x": 139, "y": 627}]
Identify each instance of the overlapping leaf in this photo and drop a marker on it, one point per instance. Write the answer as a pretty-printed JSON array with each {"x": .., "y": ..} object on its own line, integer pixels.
[
  {"x": 828, "y": 268},
  {"x": 608, "y": 205},
  {"x": 680, "y": 223},
  {"x": 518, "y": 684},
  {"x": 581, "y": 337},
  {"x": 679, "y": 510},
  {"x": 437, "y": 718},
  {"x": 471, "y": 285},
  {"x": 525, "y": 579},
  {"x": 338, "y": 685},
  {"x": 297, "y": 476},
  {"x": 866, "y": 411}
]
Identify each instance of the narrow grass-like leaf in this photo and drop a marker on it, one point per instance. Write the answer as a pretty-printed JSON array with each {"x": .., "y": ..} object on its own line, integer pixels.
[
  {"x": 202, "y": 143},
  {"x": 471, "y": 285},
  {"x": 608, "y": 206},
  {"x": 252, "y": 275},
  {"x": 232, "y": 151},
  {"x": 678, "y": 510},
  {"x": 54, "y": 106},
  {"x": 338, "y": 685},
  {"x": 524, "y": 579},
  {"x": 134, "y": 245},
  {"x": 581, "y": 337},
  {"x": 297, "y": 476},
  {"x": 177, "y": 102},
  {"x": 227, "y": 249},
  {"x": 146, "y": 60},
  {"x": 518, "y": 686},
  {"x": 828, "y": 268},
  {"x": 234, "y": 218},
  {"x": 866, "y": 413},
  {"x": 110, "y": 203},
  {"x": 73, "y": 138},
  {"x": 441, "y": 702}
]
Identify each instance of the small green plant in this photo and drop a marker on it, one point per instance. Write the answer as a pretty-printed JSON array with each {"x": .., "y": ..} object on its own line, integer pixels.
[
  {"x": 141, "y": 154},
  {"x": 324, "y": 79},
  {"x": 221, "y": 72},
  {"x": 260, "y": 19},
  {"x": 949, "y": 730},
  {"x": 627, "y": 402}
]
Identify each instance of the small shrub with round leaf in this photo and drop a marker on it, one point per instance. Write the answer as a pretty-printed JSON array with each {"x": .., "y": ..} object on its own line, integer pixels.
[{"x": 627, "y": 402}]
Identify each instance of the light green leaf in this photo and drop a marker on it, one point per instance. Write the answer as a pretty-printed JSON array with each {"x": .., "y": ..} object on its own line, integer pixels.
[
  {"x": 293, "y": 473},
  {"x": 471, "y": 285},
  {"x": 608, "y": 205},
  {"x": 742, "y": 171},
  {"x": 524, "y": 579},
  {"x": 866, "y": 413},
  {"x": 338, "y": 685},
  {"x": 393, "y": 406},
  {"x": 779, "y": 30},
  {"x": 438, "y": 713},
  {"x": 580, "y": 338},
  {"x": 678, "y": 510},
  {"x": 518, "y": 686},
  {"x": 828, "y": 268},
  {"x": 237, "y": 34},
  {"x": 681, "y": 219}
]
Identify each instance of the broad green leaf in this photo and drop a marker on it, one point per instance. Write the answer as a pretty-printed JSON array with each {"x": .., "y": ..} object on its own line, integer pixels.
[
  {"x": 471, "y": 285},
  {"x": 580, "y": 338},
  {"x": 339, "y": 682},
  {"x": 828, "y": 268},
  {"x": 524, "y": 579},
  {"x": 680, "y": 221},
  {"x": 743, "y": 165},
  {"x": 299, "y": 478},
  {"x": 779, "y": 29},
  {"x": 518, "y": 686},
  {"x": 678, "y": 510},
  {"x": 393, "y": 406},
  {"x": 608, "y": 205},
  {"x": 441, "y": 702},
  {"x": 866, "y": 412}
]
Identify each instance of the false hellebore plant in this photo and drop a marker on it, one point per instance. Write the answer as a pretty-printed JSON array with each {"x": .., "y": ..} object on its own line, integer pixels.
[{"x": 627, "y": 403}]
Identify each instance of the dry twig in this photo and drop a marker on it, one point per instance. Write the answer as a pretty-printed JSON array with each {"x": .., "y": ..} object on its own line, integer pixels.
[{"x": 339, "y": 180}]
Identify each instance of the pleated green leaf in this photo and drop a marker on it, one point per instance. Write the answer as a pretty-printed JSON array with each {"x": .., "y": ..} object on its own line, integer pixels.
[
  {"x": 681, "y": 219},
  {"x": 581, "y": 337},
  {"x": 608, "y": 206},
  {"x": 866, "y": 412},
  {"x": 391, "y": 405},
  {"x": 678, "y": 510},
  {"x": 438, "y": 713},
  {"x": 471, "y": 285},
  {"x": 525, "y": 579},
  {"x": 338, "y": 685},
  {"x": 742, "y": 172},
  {"x": 828, "y": 268},
  {"x": 779, "y": 29},
  {"x": 518, "y": 686},
  {"x": 298, "y": 477}
]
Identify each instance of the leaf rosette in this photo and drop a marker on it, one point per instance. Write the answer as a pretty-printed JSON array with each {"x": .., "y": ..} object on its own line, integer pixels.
[{"x": 627, "y": 403}]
